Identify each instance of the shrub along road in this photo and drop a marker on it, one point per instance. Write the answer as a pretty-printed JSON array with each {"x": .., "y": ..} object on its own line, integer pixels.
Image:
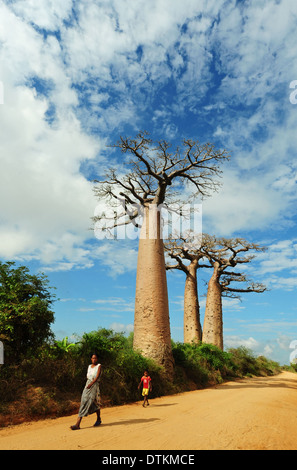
[{"x": 253, "y": 413}]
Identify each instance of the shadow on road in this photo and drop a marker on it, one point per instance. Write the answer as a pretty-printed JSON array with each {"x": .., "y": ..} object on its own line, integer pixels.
[
  {"x": 259, "y": 382},
  {"x": 165, "y": 404},
  {"x": 128, "y": 421}
]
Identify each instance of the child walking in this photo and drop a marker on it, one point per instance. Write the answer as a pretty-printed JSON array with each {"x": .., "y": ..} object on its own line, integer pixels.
[{"x": 146, "y": 382}]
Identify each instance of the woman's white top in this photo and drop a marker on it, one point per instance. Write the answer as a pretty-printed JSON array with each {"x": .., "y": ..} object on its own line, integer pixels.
[{"x": 92, "y": 372}]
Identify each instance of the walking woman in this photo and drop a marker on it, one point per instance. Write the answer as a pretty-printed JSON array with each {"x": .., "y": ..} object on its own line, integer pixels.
[{"x": 90, "y": 399}]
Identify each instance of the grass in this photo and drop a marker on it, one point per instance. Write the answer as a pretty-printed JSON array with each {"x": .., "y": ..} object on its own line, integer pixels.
[{"x": 50, "y": 383}]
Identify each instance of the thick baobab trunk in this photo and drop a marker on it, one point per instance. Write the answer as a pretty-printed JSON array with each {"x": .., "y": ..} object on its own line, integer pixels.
[
  {"x": 213, "y": 319},
  {"x": 192, "y": 326},
  {"x": 151, "y": 322}
]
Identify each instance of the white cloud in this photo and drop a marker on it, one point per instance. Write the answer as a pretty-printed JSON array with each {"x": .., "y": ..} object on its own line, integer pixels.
[
  {"x": 255, "y": 43},
  {"x": 268, "y": 349},
  {"x": 95, "y": 67},
  {"x": 281, "y": 255},
  {"x": 122, "y": 328},
  {"x": 117, "y": 257},
  {"x": 45, "y": 201},
  {"x": 278, "y": 265},
  {"x": 237, "y": 341},
  {"x": 47, "y": 14},
  {"x": 284, "y": 342},
  {"x": 228, "y": 304},
  {"x": 284, "y": 283},
  {"x": 116, "y": 304},
  {"x": 232, "y": 304},
  {"x": 276, "y": 349},
  {"x": 271, "y": 326},
  {"x": 243, "y": 201}
]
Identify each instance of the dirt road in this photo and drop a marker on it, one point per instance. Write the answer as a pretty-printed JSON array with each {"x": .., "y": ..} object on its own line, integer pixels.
[{"x": 257, "y": 413}]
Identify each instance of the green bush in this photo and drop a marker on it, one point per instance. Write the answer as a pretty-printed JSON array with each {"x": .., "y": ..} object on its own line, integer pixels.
[
  {"x": 267, "y": 366},
  {"x": 57, "y": 372},
  {"x": 202, "y": 362},
  {"x": 248, "y": 365},
  {"x": 104, "y": 342},
  {"x": 291, "y": 368},
  {"x": 245, "y": 361}
]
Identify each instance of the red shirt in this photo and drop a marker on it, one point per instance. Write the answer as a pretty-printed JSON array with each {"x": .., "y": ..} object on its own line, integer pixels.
[{"x": 145, "y": 381}]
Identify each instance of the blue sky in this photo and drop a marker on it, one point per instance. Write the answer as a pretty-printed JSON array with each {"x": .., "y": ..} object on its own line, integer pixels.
[{"x": 78, "y": 74}]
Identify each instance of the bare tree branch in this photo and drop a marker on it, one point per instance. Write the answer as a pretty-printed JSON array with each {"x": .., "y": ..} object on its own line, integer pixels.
[
  {"x": 151, "y": 169},
  {"x": 228, "y": 291},
  {"x": 225, "y": 251},
  {"x": 188, "y": 248}
]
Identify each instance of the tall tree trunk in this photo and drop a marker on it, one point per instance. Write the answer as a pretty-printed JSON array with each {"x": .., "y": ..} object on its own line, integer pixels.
[
  {"x": 192, "y": 325},
  {"x": 213, "y": 319},
  {"x": 151, "y": 322}
]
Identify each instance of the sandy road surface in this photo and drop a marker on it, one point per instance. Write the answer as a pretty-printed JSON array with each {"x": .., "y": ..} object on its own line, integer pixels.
[{"x": 258, "y": 413}]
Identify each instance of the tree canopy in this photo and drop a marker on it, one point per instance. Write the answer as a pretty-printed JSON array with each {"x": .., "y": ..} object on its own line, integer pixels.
[
  {"x": 25, "y": 309},
  {"x": 153, "y": 170}
]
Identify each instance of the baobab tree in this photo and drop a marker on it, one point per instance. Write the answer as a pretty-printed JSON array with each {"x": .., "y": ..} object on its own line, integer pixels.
[
  {"x": 152, "y": 174},
  {"x": 226, "y": 254},
  {"x": 189, "y": 257}
]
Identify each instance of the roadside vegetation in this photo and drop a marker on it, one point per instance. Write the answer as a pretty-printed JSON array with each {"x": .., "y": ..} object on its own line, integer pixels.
[
  {"x": 49, "y": 382},
  {"x": 43, "y": 377}
]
